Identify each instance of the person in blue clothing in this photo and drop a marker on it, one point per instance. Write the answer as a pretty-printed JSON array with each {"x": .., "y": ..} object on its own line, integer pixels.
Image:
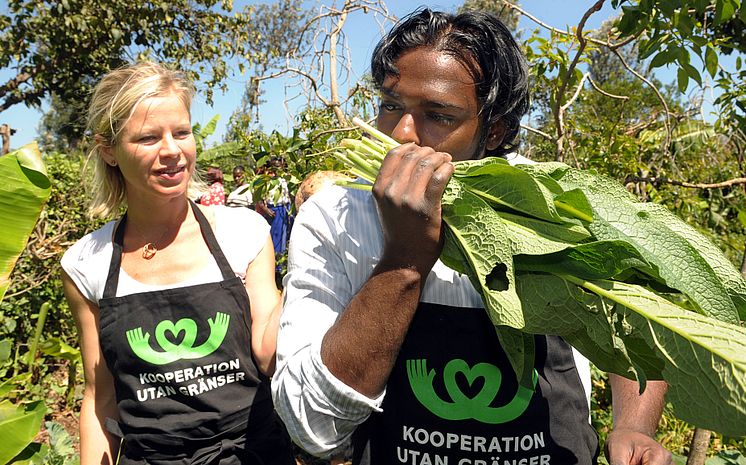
[
  {"x": 277, "y": 207},
  {"x": 176, "y": 303},
  {"x": 384, "y": 351}
]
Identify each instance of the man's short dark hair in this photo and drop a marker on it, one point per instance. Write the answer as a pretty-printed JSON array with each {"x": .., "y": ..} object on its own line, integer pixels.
[{"x": 484, "y": 45}]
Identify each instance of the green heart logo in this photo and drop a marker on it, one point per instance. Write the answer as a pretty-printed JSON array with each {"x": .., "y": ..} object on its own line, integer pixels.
[
  {"x": 167, "y": 333},
  {"x": 185, "y": 325},
  {"x": 492, "y": 380},
  {"x": 462, "y": 407}
]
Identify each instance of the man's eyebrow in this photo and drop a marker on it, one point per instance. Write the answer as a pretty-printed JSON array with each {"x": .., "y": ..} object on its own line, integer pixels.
[{"x": 427, "y": 103}]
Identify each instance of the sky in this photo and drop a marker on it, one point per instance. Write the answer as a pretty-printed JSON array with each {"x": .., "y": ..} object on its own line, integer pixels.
[{"x": 362, "y": 36}]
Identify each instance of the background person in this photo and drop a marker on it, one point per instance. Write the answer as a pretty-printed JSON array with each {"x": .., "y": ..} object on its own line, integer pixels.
[
  {"x": 241, "y": 196},
  {"x": 177, "y": 313},
  {"x": 371, "y": 315},
  {"x": 215, "y": 194}
]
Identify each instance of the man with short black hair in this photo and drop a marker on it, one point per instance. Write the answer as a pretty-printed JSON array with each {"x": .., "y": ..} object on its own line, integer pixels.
[{"x": 381, "y": 345}]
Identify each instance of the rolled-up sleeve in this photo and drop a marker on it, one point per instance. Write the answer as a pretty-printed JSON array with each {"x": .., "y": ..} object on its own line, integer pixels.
[{"x": 320, "y": 411}]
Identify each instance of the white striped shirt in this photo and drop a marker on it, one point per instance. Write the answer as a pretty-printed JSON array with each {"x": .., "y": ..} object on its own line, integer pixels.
[{"x": 335, "y": 244}]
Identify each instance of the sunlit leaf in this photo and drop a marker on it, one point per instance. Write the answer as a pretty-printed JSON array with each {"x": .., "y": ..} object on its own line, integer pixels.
[{"x": 24, "y": 188}]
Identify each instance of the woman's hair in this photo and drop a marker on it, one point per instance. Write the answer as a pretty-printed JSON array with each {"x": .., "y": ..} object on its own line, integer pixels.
[
  {"x": 484, "y": 46},
  {"x": 113, "y": 101}
]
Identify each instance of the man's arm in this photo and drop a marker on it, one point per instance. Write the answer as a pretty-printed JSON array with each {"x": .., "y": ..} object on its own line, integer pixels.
[
  {"x": 408, "y": 192},
  {"x": 636, "y": 416},
  {"x": 322, "y": 408}
]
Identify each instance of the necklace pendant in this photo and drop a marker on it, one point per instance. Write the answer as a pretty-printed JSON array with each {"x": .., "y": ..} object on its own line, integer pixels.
[{"x": 149, "y": 251}]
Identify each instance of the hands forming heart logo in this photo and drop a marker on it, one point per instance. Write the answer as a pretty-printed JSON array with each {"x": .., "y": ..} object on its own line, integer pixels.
[
  {"x": 462, "y": 407},
  {"x": 168, "y": 334}
]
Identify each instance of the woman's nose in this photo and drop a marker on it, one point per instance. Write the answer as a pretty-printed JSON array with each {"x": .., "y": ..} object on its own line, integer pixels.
[{"x": 169, "y": 147}]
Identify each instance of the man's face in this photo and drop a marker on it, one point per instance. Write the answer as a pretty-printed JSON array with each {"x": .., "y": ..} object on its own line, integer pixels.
[
  {"x": 432, "y": 103},
  {"x": 238, "y": 176}
]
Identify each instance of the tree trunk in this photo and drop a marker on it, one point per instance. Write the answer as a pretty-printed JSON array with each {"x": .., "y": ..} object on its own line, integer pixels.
[
  {"x": 5, "y": 134},
  {"x": 698, "y": 447}
]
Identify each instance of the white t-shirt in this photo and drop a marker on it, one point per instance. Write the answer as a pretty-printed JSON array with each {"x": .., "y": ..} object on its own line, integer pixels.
[{"x": 240, "y": 232}]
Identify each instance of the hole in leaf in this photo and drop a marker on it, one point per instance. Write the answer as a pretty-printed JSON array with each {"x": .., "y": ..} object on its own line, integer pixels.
[{"x": 497, "y": 280}]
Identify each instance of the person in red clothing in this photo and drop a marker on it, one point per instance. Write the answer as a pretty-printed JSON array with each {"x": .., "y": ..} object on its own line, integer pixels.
[{"x": 216, "y": 194}]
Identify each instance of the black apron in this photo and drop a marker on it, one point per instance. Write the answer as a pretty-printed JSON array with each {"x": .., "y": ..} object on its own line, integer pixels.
[
  {"x": 453, "y": 398},
  {"x": 187, "y": 387}
]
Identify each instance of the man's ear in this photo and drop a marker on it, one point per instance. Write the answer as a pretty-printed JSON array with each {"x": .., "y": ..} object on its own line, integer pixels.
[
  {"x": 106, "y": 150},
  {"x": 496, "y": 136}
]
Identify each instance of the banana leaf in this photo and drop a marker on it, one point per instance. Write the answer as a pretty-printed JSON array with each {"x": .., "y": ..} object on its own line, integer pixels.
[{"x": 24, "y": 189}]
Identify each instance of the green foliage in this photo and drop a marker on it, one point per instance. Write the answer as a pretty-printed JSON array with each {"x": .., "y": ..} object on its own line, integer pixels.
[
  {"x": 628, "y": 278},
  {"x": 61, "y": 447},
  {"x": 61, "y": 49},
  {"x": 673, "y": 31},
  {"x": 25, "y": 188},
  {"x": 18, "y": 426}
]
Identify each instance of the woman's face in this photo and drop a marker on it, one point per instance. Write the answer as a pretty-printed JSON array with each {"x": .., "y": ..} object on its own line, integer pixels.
[{"x": 156, "y": 151}]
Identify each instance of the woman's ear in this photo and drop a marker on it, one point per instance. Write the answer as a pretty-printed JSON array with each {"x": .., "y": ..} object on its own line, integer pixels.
[
  {"x": 496, "y": 136},
  {"x": 106, "y": 150}
]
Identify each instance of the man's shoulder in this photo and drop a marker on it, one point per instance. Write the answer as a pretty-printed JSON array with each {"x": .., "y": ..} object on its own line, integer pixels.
[
  {"x": 516, "y": 159},
  {"x": 338, "y": 199}
]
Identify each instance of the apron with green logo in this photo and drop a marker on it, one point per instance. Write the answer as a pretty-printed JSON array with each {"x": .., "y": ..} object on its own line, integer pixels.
[
  {"x": 187, "y": 386},
  {"x": 453, "y": 399}
]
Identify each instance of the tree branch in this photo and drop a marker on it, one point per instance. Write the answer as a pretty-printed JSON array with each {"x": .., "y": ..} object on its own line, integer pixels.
[
  {"x": 538, "y": 132},
  {"x": 717, "y": 185},
  {"x": 546, "y": 26},
  {"x": 666, "y": 122},
  {"x": 603, "y": 92},
  {"x": 559, "y": 109},
  {"x": 14, "y": 83}
]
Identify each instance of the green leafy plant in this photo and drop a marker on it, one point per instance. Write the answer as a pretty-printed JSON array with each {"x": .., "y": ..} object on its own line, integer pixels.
[
  {"x": 557, "y": 250},
  {"x": 24, "y": 188}
]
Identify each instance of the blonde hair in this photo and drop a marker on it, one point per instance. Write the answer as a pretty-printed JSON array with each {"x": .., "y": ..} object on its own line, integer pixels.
[{"x": 114, "y": 100}]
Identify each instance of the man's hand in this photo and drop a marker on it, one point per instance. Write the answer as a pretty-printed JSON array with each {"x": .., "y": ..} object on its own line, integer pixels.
[
  {"x": 627, "y": 447},
  {"x": 408, "y": 192},
  {"x": 636, "y": 418}
]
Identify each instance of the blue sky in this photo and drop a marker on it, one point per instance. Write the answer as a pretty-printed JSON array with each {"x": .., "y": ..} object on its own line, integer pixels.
[{"x": 362, "y": 36}]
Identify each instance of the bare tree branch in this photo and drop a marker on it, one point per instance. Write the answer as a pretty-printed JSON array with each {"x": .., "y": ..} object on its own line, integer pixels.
[
  {"x": 603, "y": 92},
  {"x": 666, "y": 121},
  {"x": 691, "y": 185},
  {"x": 538, "y": 132},
  {"x": 559, "y": 109}
]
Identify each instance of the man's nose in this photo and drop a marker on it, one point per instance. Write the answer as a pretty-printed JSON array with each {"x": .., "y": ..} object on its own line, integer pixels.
[{"x": 406, "y": 130}]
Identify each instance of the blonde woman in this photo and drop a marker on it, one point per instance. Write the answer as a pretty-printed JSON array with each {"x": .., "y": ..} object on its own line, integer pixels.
[{"x": 176, "y": 304}]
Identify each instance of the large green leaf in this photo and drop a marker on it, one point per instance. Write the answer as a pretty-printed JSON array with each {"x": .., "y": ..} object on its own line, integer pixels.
[
  {"x": 484, "y": 252},
  {"x": 18, "y": 427},
  {"x": 505, "y": 186},
  {"x": 24, "y": 188},
  {"x": 627, "y": 329},
  {"x": 619, "y": 216}
]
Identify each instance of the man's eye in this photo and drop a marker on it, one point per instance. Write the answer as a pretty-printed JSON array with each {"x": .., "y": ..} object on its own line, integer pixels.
[
  {"x": 441, "y": 118},
  {"x": 183, "y": 134},
  {"x": 146, "y": 138},
  {"x": 388, "y": 107}
]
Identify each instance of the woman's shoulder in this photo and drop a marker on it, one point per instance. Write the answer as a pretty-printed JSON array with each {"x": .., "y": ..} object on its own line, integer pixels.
[
  {"x": 87, "y": 261},
  {"x": 241, "y": 233},
  {"x": 237, "y": 216},
  {"x": 92, "y": 244}
]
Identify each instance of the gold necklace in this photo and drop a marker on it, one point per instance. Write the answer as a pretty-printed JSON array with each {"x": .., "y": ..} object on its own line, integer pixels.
[{"x": 150, "y": 249}]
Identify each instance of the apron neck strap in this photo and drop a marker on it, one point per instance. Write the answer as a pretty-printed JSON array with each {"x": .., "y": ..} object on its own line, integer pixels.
[{"x": 112, "y": 278}]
